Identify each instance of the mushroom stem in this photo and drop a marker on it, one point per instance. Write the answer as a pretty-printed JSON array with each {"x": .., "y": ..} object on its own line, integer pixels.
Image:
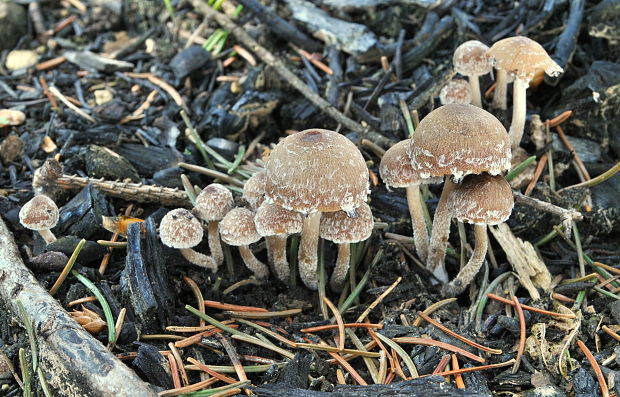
[
  {"x": 418, "y": 224},
  {"x": 518, "y": 112},
  {"x": 441, "y": 232},
  {"x": 215, "y": 246},
  {"x": 501, "y": 87},
  {"x": 308, "y": 248},
  {"x": 260, "y": 270},
  {"x": 474, "y": 83},
  {"x": 342, "y": 267},
  {"x": 278, "y": 255},
  {"x": 199, "y": 259},
  {"x": 467, "y": 273},
  {"x": 48, "y": 236}
]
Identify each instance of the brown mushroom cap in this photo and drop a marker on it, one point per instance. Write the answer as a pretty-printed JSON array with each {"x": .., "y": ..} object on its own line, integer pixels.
[
  {"x": 40, "y": 213},
  {"x": 271, "y": 219},
  {"x": 341, "y": 228},
  {"x": 180, "y": 229},
  {"x": 456, "y": 91},
  {"x": 395, "y": 167},
  {"x": 471, "y": 59},
  {"x": 238, "y": 228},
  {"x": 458, "y": 140},
  {"x": 254, "y": 189},
  {"x": 482, "y": 199},
  {"x": 316, "y": 170},
  {"x": 522, "y": 57},
  {"x": 213, "y": 202}
]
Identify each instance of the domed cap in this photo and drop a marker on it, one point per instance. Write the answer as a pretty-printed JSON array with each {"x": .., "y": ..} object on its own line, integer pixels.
[
  {"x": 341, "y": 228},
  {"x": 457, "y": 140},
  {"x": 456, "y": 91},
  {"x": 316, "y": 170},
  {"x": 395, "y": 167},
  {"x": 180, "y": 229},
  {"x": 213, "y": 202},
  {"x": 471, "y": 59},
  {"x": 237, "y": 227},
  {"x": 40, "y": 213},
  {"x": 271, "y": 219},
  {"x": 522, "y": 57},
  {"x": 482, "y": 199},
  {"x": 254, "y": 189},
  {"x": 10, "y": 117}
]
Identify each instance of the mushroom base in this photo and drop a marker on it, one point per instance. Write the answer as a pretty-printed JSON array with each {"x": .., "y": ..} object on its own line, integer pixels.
[
  {"x": 308, "y": 251},
  {"x": 199, "y": 259},
  {"x": 342, "y": 267},
  {"x": 469, "y": 271},
  {"x": 260, "y": 270}
]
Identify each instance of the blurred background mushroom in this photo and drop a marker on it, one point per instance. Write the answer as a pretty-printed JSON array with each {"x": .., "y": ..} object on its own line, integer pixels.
[
  {"x": 471, "y": 59},
  {"x": 180, "y": 229},
  {"x": 522, "y": 58},
  {"x": 456, "y": 91}
]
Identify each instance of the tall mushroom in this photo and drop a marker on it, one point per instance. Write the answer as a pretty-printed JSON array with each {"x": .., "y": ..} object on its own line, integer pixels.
[
  {"x": 470, "y": 59},
  {"x": 213, "y": 202},
  {"x": 395, "y": 170},
  {"x": 180, "y": 229},
  {"x": 522, "y": 58},
  {"x": 480, "y": 200},
  {"x": 315, "y": 171},
  {"x": 238, "y": 229},
  {"x": 276, "y": 223},
  {"x": 454, "y": 141},
  {"x": 40, "y": 214},
  {"x": 343, "y": 230}
]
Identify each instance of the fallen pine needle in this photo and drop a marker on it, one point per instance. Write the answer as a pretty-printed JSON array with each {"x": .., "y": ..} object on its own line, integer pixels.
[
  {"x": 530, "y": 308},
  {"x": 441, "y": 345},
  {"x": 378, "y": 300},
  {"x": 522, "y": 334},
  {"x": 341, "y": 335},
  {"x": 432, "y": 308},
  {"x": 335, "y": 326},
  {"x": 283, "y": 313},
  {"x": 595, "y": 367},
  {"x": 231, "y": 307},
  {"x": 474, "y": 369}
]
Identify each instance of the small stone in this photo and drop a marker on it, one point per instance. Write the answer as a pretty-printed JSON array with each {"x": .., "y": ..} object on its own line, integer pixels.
[
  {"x": 103, "y": 96},
  {"x": 20, "y": 59},
  {"x": 11, "y": 117},
  {"x": 11, "y": 148}
]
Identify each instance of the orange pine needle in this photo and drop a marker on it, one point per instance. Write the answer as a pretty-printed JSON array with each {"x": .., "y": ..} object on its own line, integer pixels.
[
  {"x": 442, "y": 364},
  {"x": 188, "y": 388},
  {"x": 335, "y": 326},
  {"x": 610, "y": 332},
  {"x": 457, "y": 336},
  {"x": 530, "y": 308},
  {"x": 215, "y": 374},
  {"x": 341, "y": 334},
  {"x": 230, "y": 306},
  {"x": 537, "y": 173},
  {"x": 458, "y": 379},
  {"x": 474, "y": 369},
  {"x": 441, "y": 345},
  {"x": 522, "y": 334},
  {"x": 595, "y": 367},
  {"x": 559, "y": 119}
]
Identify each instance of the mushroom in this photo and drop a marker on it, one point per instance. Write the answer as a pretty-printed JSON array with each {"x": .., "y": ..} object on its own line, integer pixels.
[
  {"x": 276, "y": 223},
  {"x": 180, "y": 229},
  {"x": 343, "y": 230},
  {"x": 455, "y": 140},
  {"x": 40, "y": 214},
  {"x": 456, "y": 91},
  {"x": 238, "y": 229},
  {"x": 470, "y": 59},
  {"x": 254, "y": 189},
  {"x": 213, "y": 202},
  {"x": 522, "y": 58},
  {"x": 10, "y": 117},
  {"x": 480, "y": 200},
  {"x": 395, "y": 170},
  {"x": 315, "y": 171}
]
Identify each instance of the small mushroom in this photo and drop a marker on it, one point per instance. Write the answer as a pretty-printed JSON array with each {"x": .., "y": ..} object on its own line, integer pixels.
[
  {"x": 238, "y": 229},
  {"x": 254, "y": 189},
  {"x": 396, "y": 171},
  {"x": 40, "y": 214},
  {"x": 480, "y": 200},
  {"x": 10, "y": 117},
  {"x": 521, "y": 58},
  {"x": 212, "y": 204},
  {"x": 276, "y": 223},
  {"x": 454, "y": 141},
  {"x": 456, "y": 91},
  {"x": 343, "y": 230},
  {"x": 470, "y": 59},
  {"x": 180, "y": 229},
  {"x": 315, "y": 171}
]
